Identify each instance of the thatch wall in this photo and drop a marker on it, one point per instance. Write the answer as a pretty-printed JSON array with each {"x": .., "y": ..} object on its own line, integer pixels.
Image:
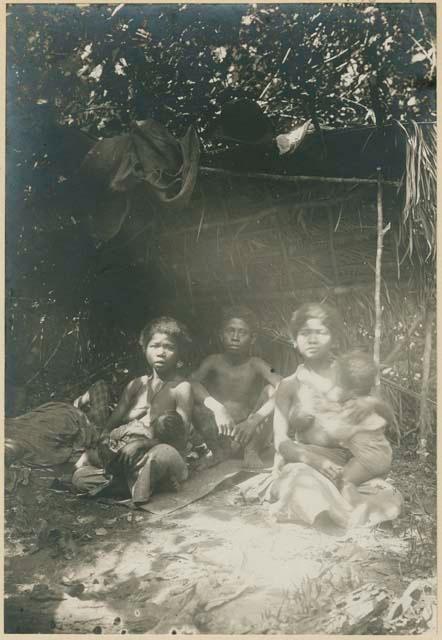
[{"x": 252, "y": 240}]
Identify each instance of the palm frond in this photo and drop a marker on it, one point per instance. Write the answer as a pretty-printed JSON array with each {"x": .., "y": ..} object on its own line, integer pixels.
[{"x": 417, "y": 233}]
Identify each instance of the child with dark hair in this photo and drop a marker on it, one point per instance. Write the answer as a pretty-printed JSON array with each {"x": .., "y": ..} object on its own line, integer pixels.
[
  {"x": 235, "y": 400},
  {"x": 148, "y": 430}
]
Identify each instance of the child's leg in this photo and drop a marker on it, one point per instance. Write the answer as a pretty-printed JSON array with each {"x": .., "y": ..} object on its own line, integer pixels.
[
  {"x": 262, "y": 436},
  {"x": 204, "y": 423},
  {"x": 91, "y": 480},
  {"x": 164, "y": 468},
  {"x": 259, "y": 442},
  {"x": 356, "y": 473}
]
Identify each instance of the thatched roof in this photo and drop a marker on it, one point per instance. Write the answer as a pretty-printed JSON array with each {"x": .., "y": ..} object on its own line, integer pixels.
[{"x": 352, "y": 152}]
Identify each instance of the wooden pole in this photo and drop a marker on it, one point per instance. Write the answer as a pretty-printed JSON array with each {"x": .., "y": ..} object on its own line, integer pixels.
[
  {"x": 331, "y": 246},
  {"x": 424, "y": 414},
  {"x": 282, "y": 178},
  {"x": 378, "y": 284}
]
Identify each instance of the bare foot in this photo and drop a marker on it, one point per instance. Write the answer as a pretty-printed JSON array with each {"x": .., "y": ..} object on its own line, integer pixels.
[
  {"x": 359, "y": 517},
  {"x": 351, "y": 494},
  {"x": 219, "y": 455},
  {"x": 252, "y": 461}
]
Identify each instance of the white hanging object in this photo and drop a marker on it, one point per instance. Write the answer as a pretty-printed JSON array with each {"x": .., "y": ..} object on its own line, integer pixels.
[{"x": 288, "y": 142}]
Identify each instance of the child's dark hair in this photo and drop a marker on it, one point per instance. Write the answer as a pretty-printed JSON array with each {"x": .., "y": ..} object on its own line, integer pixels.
[
  {"x": 357, "y": 372},
  {"x": 241, "y": 312},
  {"x": 317, "y": 311},
  {"x": 171, "y": 327},
  {"x": 169, "y": 429}
]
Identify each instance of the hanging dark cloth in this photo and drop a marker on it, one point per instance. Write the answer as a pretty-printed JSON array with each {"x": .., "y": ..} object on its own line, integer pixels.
[{"x": 149, "y": 156}]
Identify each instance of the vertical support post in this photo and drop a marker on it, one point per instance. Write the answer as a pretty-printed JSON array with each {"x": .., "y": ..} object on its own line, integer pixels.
[
  {"x": 331, "y": 246},
  {"x": 378, "y": 283},
  {"x": 424, "y": 416}
]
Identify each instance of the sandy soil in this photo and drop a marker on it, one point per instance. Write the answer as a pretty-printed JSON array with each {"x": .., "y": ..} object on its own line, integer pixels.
[{"x": 216, "y": 566}]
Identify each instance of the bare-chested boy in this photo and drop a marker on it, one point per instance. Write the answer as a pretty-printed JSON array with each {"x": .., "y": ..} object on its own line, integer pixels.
[{"x": 228, "y": 389}]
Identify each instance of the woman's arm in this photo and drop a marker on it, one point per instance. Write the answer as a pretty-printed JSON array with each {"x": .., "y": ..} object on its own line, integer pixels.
[
  {"x": 283, "y": 403},
  {"x": 120, "y": 414},
  {"x": 294, "y": 451}
]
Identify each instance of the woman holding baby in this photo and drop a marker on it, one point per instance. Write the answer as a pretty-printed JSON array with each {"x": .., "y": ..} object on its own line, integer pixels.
[{"x": 329, "y": 432}]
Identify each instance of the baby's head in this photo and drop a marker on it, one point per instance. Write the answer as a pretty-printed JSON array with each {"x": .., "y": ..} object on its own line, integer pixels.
[
  {"x": 238, "y": 329},
  {"x": 357, "y": 373},
  {"x": 315, "y": 328},
  {"x": 169, "y": 429},
  {"x": 165, "y": 342}
]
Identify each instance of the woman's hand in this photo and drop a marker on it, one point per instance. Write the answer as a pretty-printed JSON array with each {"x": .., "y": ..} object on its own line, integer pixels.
[{"x": 329, "y": 469}]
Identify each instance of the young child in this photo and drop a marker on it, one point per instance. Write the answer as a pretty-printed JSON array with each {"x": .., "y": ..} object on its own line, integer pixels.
[
  {"x": 232, "y": 401},
  {"x": 349, "y": 417},
  {"x": 149, "y": 427}
]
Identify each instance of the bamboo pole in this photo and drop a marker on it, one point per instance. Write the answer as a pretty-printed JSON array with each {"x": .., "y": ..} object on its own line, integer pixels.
[
  {"x": 281, "y": 178},
  {"x": 378, "y": 284},
  {"x": 331, "y": 246},
  {"x": 424, "y": 414}
]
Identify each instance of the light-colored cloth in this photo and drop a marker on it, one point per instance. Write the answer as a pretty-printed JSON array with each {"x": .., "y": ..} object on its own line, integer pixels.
[{"x": 299, "y": 493}]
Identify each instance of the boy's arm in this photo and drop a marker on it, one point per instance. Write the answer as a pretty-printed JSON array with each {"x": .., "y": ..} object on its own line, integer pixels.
[
  {"x": 245, "y": 430},
  {"x": 223, "y": 420},
  {"x": 266, "y": 371},
  {"x": 197, "y": 378}
]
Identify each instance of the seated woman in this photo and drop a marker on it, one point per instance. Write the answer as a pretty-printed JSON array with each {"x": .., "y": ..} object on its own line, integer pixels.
[
  {"x": 336, "y": 447},
  {"x": 146, "y": 435}
]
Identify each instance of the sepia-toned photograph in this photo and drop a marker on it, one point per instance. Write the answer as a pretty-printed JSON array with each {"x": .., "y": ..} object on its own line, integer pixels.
[{"x": 220, "y": 319}]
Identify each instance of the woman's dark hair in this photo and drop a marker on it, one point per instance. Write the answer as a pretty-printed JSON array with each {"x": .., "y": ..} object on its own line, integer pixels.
[
  {"x": 241, "y": 312},
  {"x": 329, "y": 317},
  {"x": 171, "y": 327}
]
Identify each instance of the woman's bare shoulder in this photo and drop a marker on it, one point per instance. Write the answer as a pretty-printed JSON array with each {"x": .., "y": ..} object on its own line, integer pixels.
[
  {"x": 137, "y": 384},
  {"x": 287, "y": 386},
  {"x": 180, "y": 383}
]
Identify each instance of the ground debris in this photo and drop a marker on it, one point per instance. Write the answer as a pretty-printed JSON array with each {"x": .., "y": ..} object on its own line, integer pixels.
[
  {"x": 44, "y": 592},
  {"x": 415, "y": 611},
  {"x": 355, "y": 611},
  {"x": 59, "y": 541}
]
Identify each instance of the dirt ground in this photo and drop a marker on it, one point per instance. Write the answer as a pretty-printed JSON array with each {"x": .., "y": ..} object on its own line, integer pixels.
[{"x": 216, "y": 566}]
